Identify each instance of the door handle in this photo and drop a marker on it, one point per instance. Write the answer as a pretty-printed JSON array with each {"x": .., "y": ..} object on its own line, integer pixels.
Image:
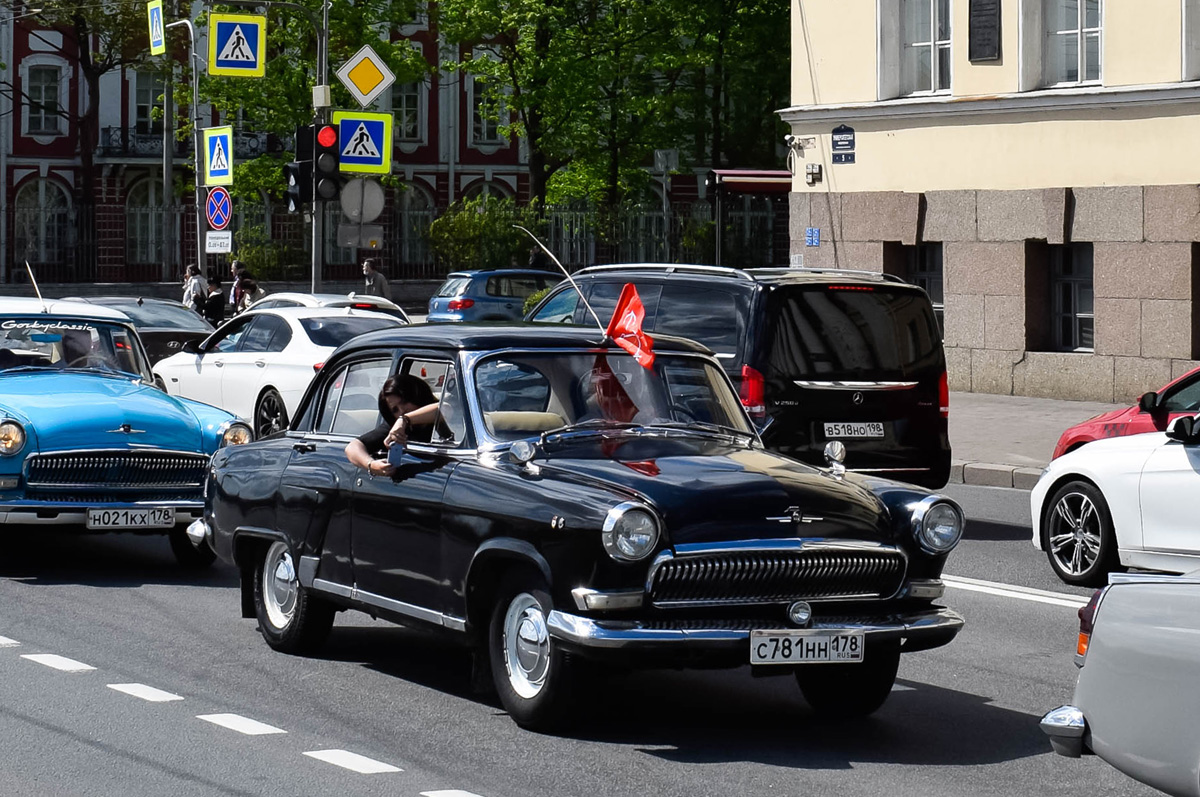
[
  {"x": 303, "y": 447},
  {"x": 261, "y": 363},
  {"x": 219, "y": 363}
]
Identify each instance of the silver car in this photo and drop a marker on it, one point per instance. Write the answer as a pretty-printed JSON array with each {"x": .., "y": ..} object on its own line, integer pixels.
[{"x": 1136, "y": 702}]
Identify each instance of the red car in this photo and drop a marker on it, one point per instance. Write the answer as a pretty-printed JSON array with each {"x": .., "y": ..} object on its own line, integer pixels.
[{"x": 1152, "y": 413}]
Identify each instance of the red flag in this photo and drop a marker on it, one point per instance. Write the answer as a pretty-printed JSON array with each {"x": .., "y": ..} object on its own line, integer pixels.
[
  {"x": 625, "y": 328},
  {"x": 615, "y": 403}
]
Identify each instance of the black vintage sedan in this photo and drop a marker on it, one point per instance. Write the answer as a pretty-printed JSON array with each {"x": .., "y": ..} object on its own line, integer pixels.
[
  {"x": 574, "y": 505},
  {"x": 163, "y": 325}
]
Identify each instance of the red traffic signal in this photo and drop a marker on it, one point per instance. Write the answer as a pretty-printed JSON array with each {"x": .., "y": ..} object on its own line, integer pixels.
[
  {"x": 327, "y": 136},
  {"x": 326, "y": 160}
]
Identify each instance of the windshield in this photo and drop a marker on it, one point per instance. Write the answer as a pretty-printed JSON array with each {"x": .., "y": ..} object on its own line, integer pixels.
[
  {"x": 526, "y": 393},
  {"x": 69, "y": 343},
  {"x": 336, "y": 330},
  {"x": 161, "y": 315}
]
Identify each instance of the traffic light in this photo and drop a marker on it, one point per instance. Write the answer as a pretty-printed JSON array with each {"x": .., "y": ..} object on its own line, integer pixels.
[
  {"x": 298, "y": 176},
  {"x": 326, "y": 158}
]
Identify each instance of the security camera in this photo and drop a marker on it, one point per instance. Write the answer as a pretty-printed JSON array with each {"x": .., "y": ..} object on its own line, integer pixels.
[{"x": 790, "y": 140}]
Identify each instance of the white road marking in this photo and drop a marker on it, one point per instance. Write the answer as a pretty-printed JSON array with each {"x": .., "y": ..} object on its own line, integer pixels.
[
  {"x": 1011, "y": 591},
  {"x": 59, "y": 662},
  {"x": 145, "y": 692},
  {"x": 352, "y": 761},
  {"x": 5, "y": 642},
  {"x": 448, "y": 793},
  {"x": 235, "y": 722}
]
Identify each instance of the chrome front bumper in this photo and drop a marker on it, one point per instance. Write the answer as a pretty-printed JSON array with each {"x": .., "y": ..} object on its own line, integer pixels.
[
  {"x": 919, "y": 630},
  {"x": 1065, "y": 726},
  {"x": 57, "y": 513}
]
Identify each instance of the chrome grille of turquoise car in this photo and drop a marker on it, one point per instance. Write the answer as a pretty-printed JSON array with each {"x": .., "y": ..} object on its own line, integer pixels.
[
  {"x": 129, "y": 470},
  {"x": 749, "y": 577}
]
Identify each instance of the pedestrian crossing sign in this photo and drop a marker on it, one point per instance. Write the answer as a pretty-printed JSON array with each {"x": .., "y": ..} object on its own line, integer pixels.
[
  {"x": 154, "y": 16},
  {"x": 365, "y": 140},
  {"x": 236, "y": 45},
  {"x": 218, "y": 155}
]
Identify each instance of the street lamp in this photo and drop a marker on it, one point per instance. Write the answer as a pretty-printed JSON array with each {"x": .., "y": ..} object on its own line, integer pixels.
[{"x": 7, "y": 116}]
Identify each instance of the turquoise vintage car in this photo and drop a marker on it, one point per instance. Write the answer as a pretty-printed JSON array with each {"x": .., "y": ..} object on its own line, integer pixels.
[{"x": 86, "y": 440}]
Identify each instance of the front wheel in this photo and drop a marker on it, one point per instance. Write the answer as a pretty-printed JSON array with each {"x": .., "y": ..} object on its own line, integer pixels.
[
  {"x": 290, "y": 619},
  {"x": 531, "y": 673},
  {"x": 851, "y": 690},
  {"x": 1079, "y": 538}
]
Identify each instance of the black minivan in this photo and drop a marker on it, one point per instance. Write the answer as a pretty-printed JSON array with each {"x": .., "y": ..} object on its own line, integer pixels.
[{"x": 817, "y": 355}]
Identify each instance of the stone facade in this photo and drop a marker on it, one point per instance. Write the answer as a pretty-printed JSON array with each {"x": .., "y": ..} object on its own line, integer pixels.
[{"x": 996, "y": 252}]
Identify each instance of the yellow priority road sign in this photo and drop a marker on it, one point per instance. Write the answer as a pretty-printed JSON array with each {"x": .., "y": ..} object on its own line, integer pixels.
[
  {"x": 366, "y": 75},
  {"x": 154, "y": 17},
  {"x": 237, "y": 45}
]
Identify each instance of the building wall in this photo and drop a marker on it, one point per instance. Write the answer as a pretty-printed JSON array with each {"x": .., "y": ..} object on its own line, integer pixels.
[{"x": 999, "y": 171}]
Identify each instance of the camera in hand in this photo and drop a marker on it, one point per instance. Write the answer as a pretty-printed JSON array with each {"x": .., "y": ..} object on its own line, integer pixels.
[{"x": 395, "y": 454}]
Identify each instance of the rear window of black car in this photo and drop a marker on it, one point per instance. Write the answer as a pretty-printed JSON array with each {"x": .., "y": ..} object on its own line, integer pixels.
[
  {"x": 162, "y": 316},
  {"x": 705, "y": 314},
  {"x": 852, "y": 333},
  {"x": 336, "y": 331}
]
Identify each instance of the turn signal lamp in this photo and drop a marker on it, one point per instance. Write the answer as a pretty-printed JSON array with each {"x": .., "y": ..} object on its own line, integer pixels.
[
  {"x": 1087, "y": 621},
  {"x": 753, "y": 393}
]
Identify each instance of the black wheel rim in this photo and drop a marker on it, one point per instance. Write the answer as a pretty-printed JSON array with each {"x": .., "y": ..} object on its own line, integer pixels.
[{"x": 271, "y": 416}]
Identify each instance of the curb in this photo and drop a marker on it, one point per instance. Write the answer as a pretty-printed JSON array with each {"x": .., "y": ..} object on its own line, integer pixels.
[{"x": 987, "y": 474}]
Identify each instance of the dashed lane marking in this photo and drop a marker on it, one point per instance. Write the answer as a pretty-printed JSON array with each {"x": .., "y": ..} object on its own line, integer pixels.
[
  {"x": 145, "y": 692},
  {"x": 59, "y": 662},
  {"x": 235, "y": 722},
  {"x": 448, "y": 793},
  {"x": 352, "y": 761},
  {"x": 5, "y": 642},
  {"x": 1011, "y": 591}
]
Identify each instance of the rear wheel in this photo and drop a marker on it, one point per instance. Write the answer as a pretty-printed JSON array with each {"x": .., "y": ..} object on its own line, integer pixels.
[
  {"x": 851, "y": 690},
  {"x": 532, "y": 675},
  {"x": 1079, "y": 538},
  {"x": 270, "y": 416},
  {"x": 188, "y": 555},
  {"x": 289, "y": 618}
]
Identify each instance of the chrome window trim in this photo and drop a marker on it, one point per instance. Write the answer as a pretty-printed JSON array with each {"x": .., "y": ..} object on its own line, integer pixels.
[
  {"x": 841, "y": 385},
  {"x": 399, "y": 607}
]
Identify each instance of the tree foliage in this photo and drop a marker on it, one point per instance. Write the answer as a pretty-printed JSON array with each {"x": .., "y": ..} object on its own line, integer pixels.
[{"x": 479, "y": 233}]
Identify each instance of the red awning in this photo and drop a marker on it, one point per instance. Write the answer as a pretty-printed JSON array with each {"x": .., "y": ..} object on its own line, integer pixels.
[{"x": 753, "y": 181}]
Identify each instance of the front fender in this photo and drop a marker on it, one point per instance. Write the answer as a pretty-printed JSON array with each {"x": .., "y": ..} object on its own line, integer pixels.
[{"x": 488, "y": 564}]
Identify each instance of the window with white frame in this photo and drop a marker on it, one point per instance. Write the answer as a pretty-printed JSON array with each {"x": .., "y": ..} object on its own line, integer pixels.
[
  {"x": 488, "y": 115},
  {"x": 925, "y": 46},
  {"x": 1073, "y": 320},
  {"x": 406, "y": 110},
  {"x": 143, "y": 223},
  {"x": 41, "y": 87},
  {"x": 148, "y": 95},
  {"x": 41, "y": 222},
  {"x": 1074, "y": 34}
]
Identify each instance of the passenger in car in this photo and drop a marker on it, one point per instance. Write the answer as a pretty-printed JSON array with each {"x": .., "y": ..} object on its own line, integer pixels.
[{"x": 409, "y": 409}]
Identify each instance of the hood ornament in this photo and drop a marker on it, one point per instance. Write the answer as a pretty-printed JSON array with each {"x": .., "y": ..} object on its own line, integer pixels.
[
  {"x": 126, "y": 428},
  {"x": 794, "y": 515}
]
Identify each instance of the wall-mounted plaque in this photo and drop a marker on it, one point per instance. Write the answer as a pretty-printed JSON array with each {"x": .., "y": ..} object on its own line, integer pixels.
[{"x": 983, "y": 35}]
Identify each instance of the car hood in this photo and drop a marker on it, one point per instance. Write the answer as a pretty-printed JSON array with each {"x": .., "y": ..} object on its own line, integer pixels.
[
  {"x": 68, "y": 411},
  {"x": 709, "y": 490}
]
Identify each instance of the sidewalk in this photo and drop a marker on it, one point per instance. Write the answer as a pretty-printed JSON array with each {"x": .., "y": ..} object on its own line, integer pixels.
[{"x": 1005, "y": 441}]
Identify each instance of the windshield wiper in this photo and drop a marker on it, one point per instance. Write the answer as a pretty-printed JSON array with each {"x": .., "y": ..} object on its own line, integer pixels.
[
  {"x": 594, "y": 424},
  {"x": 702, "y": 426}
]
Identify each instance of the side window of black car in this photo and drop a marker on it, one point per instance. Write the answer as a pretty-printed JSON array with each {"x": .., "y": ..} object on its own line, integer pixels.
[
  {"x": 451, "y": 426},
  {"x": 560, "y": 309},
  {"x": 351, "y": 402},
  {"x": 604, "y": 295}
]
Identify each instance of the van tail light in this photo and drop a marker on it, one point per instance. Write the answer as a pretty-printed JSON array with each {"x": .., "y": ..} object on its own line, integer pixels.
[
  {"x": 752, "y": 393},
  {"x": 1087, "y": 621},
  {"x": 460, "y": 304},
  {"x": 317, "y": 367},
  {"x": 363, "y": 306},
  {"x": 944, "y": 394}
]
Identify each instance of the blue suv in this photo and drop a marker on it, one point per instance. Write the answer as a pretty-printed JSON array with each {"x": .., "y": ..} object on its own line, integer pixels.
[{"x": 494, "y": 295}]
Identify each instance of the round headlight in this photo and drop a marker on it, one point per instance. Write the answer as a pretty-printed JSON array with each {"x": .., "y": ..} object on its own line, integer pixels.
[
  {"x": 938, "y": 525},
  {"x": 630, "y": 532},
  {"x": 12, "y": 437},
  {"x": 236, "y": 434}
]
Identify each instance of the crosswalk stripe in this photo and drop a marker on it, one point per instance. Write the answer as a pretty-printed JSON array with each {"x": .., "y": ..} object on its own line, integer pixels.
[
  {"x": 5, "y": 642},
  {"x": 352, "y": 761},
  {"x": 448, "y": 793},
  {"x": 236, "y": 722},
  {"x": 58, "y": 662},
  {"x": 145, "y": 692}
]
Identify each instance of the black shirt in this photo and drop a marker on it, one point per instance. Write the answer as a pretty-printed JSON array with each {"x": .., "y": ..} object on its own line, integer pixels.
[{"x": 373, "y": 440}]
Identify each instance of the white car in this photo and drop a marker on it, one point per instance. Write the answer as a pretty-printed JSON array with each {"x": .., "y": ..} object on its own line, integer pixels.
[
  {"x": 259, "y": 364},
  {"x": 1122, "y": 502},
  {"x": 377, "y": 304}
]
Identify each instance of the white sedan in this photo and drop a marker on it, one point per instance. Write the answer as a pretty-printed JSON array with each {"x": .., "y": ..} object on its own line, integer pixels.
[
  {"x": 1122, "y": 502},
  {"x": 376, "y": 304},
  {"x": 259, "y": 364}
]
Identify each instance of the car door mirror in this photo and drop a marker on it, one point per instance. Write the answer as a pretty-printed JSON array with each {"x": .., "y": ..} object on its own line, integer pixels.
[
  {"x": 1182, "y": 429},
  {"x": 1149, "y": 402},
  {"x": 192, "y": 346}
]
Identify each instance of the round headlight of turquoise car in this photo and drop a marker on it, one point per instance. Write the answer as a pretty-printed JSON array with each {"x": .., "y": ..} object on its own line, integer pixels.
[
  {"x": 235, "y": 434},
  {"x": 631, "y": 532},
  {"x": 12, "y": 438},
  {"x": 937, "y": 525}
]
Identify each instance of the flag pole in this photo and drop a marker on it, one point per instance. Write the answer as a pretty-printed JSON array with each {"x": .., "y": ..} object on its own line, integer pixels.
[{"x": 599, "y": 323}]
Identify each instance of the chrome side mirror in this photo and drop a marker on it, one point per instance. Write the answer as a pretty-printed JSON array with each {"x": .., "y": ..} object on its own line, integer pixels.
[
  {"x": 522, "y": 452},
  {"x": 835, "y": 455}
]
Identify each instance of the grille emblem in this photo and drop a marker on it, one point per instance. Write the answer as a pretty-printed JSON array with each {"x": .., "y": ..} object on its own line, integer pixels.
[
  {"x": 857, "y": 398},
  {"x": 126, "y": 429},
  {"x": 794, "y": 515}
]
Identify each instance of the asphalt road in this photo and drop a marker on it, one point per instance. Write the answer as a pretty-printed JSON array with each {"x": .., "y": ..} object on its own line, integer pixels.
[{"x": 186, "y": 699}]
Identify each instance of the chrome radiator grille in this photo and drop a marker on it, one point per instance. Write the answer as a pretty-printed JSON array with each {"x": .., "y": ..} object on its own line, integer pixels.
[
  {"x": 127, "y": 470},
  {"x": 747, "y": 577}
]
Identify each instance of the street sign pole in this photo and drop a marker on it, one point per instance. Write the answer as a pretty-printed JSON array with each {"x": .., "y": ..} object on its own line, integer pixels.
[{"x": 200, "y": 256}]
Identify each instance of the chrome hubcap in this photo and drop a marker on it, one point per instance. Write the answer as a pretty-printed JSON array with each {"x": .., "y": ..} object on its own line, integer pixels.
[
  {"x": 526, "y": 646},
  {"x": 280, "y": 587},
  {"x": 1075, "y": 534}
]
